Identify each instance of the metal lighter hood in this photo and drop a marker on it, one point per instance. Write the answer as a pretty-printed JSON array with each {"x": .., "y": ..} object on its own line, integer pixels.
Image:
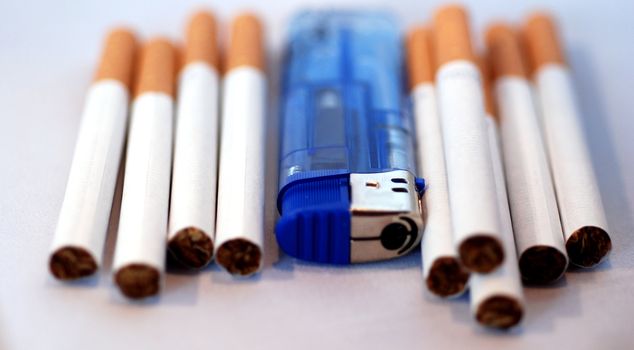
[{"x": 348, "y": 192}]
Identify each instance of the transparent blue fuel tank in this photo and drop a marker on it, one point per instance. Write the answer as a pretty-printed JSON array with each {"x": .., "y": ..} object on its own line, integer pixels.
[{"x": 347, "y": 188}]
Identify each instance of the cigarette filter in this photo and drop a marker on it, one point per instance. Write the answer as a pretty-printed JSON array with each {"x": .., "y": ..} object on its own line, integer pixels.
[
  {"x": 580, "y": 209},
  {"x": 347, "y": 187},
  {"x": 240, "y": 220},
  {"x": 474, "y": 207},
  {"x": 83, "y": 221},
  {"x": 193, "y": 199},
  {"x": 139, "y": 258},
  {"x": 442, "y": 270},
  {"x": 538, "y": 235},
  {"x": 497, "y": 300}
]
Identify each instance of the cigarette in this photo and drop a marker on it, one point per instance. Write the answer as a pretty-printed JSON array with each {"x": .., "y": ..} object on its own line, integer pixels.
[
  {"x": 497, "y": 300},
  {"x": 443, "y": 272},
  {"x": 240, "y": 217},
  {"x": 582, "y": 216},
  {"x": 141, "y": 242},
  {"x": 538, "y": 235},
  {"x": 80, "y": 236},
  {"x": 193, "y": 199},
  {"x": 473, "y": 203}
]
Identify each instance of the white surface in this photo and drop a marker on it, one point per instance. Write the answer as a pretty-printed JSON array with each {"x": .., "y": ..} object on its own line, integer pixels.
[
  {"x": 530, "y": 186},
  {"x": 437, "y": 239},
  {"x": 241, "y": 177},
  {"x": 472, "y": 198},
  {"x": 506, "y": 280},
  {"x": 142, "y": 234},
  {"x": 48, "y": 54},
  {"x": 193, "y": 196},
  {"x": 85, "y": 213},
  {"x": 576, "y": 185}
]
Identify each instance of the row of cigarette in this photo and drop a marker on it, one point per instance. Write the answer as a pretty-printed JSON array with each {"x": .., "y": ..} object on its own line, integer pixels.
[
  {"x": 510, "y": 177},
  {"x": 155, "y": 162},
  {"x": 512, "y": 194}
]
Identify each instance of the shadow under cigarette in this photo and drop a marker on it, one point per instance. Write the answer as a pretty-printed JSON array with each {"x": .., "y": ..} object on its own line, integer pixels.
[
  {"x": 113, "y": 224},
  {"x": 181, "y": 284},
  {"x": 272, "y": 126},
  {"x": 548, "y": 304},
  {"x": 104, "y": 277},
  {"x": 287, "y": 264},
  {"x": 3, "y": 343}
]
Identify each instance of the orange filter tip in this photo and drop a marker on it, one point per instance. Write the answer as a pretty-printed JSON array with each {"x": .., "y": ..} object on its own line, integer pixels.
[
  {"x": 246, "y": 43},
  {"x": 201, "y": 43},
  {"x": 157, "y": 67},
  {"x": 452, "y": 38},
  {"x": 542, "y": 41},
  {"x": 420, "y": 66},
  {"x": 118, "y": 57},
  {"x": 504, "y": 51}
]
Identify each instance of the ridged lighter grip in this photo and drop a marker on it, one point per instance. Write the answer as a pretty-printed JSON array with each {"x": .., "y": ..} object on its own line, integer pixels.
[{"x": 315, "y": 224}]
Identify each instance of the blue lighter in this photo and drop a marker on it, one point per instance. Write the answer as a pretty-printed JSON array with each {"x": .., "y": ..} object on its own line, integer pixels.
[{"x": 347, "y": 190}]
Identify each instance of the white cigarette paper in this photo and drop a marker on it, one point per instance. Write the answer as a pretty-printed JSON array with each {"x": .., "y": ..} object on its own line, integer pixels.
[
  {"x": 472, "y": 199},
  {"x": 497, "y": 299},
  {"x": 193, "y": 200},
  {"x": 531, "y": 193},
  {"x": 139, "y": 260},
  {"x": 83, "y": 220},
  {"x": 240, "y": 216},
  {"x": 576, "y": 186},
  {"x": 142, "y": 233},
  {"x": 580, "y": 209},
  {"x": 81, "y": 231},
  {"x": 437, "y": 244}
]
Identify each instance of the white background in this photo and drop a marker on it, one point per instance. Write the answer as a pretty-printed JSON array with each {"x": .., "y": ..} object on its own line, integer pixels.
[{"x": 48, "y": 51}]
